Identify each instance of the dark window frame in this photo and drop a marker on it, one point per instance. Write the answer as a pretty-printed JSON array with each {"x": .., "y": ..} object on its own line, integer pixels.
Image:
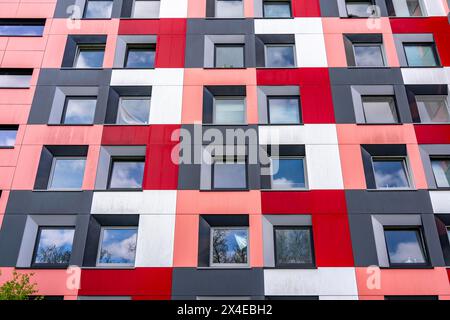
[
  {"x": 229, "y": 45},
  {"x": 423, "y": 44},
  {"x": 124, "y": 159},
  {"x": 226, "y": 159},
  {"x": 66, "y": 102},
  {"x": 139, "y": 47},
  {"x": 394, "y": 100},
  {"x": 311, "y": 265},
  {"x": 281, "y": 97},
  {"x": 274, "y": 2}
]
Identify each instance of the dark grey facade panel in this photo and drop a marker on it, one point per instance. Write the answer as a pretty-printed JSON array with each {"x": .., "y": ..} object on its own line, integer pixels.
[
  {"x": 23, "y": 202},
  {"x": 190, "y": 283},
  {"x": 426, "y": 152},
  {"x": 365, "y": 76},
  {"x": 378, "y": 202},
  {"x": 425, "y": 89},
  {"x": 74, "y": 77},
  {"x": 363, "y": 241},
  {"x": 442, "y": 221},
  {"x": 11, "y": 234}
]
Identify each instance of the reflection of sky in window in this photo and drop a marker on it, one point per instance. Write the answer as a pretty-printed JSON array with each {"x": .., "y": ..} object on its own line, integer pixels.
[
  {"x": 379, "y": 110},
  {"x": 277, "y": 10},
  {"x": 293, "y": 246},
  {"x": 67, "y": 174},
  {"x": 284, "y": 111},
  {"x": 133, "y": 111},
  {"x": 368, "y": 56},
  {"x": 140, "y": 58},
  {"x": 229, "y": 9},
  {"x": 229, "y": 175},
  {"x": 55, "y": 246},
  {"x": 98, "y": 9},
  {"x": 90, "y": 58},
  {"x": 288, "y": 173},
  {"x": 407, "y": 8},
  {"x": 390, "y": 174},
  {"x": 80, "y": 111},
  {"x": 433, "y": 109},
  {"x": 146, "y": 9},
  {"x": 404, "y": 246},
  {"x": 21, "y": 30},
  {"x": 127, "y": 174},
  {"x": 359, "y": 9},
  {"x": 441, "y": 169},
  {"x": 14, "y": 81},
  {"x": 280, "y": 56},
  {"x": 229, "y": 57},
  {"x": 8, "y": 138},
  {"x": 420, "y": 55},
  {"x": 230, "y": 245},
  {"x": 229, "y": 111},
  {"x": 118, "y": 246}
]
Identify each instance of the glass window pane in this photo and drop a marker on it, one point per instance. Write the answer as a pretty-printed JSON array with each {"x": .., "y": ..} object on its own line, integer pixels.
[
  {"x": 390, "y": 174},
  {"x": 404, "y": 246},
  {"x": 54, "y": 246},
  {"x": 284, "y": 110},
  {"x": 229, "y": 246},
  {"x": 229, "y": 111},
  {"x": 143, "y": 57},
  {"x": 368, "y": 56},
  {"x": 133, "y": 111},
  {"x": 441, "y": 169},
  {"x": 379, "y": 109},
  {"x": 127, "y": 174},
  {"x": 288, "y": 173},
  {"x": 229, "y": 175},
  {"x": 280, "y": 56},
  {"x": 90, "y": 57},
  {"x": 67, "y": 173},
  {"x": 277, "y": 9},
  {"x": 407, "y": 8},
  {"x": 421, "y": 55},
  {"x": 79, "y": 111},
  {"x": 14, "y": 79},
  {"x": 145, "y": 9},
  {"x": 229, "y": 56},
  {"x": 229, "y": 9},
  {"x": 359, "y": 8},
  {"x": 293, "y": 246},
  {"x": 433, "y": 109},
  {"x": 98, "y": 9},
  {"x": 448, "y": 233},
  {"x": 7, "y": 137},
  {"x": 118, "y": 246},
  {"x": 21, "y": 29}
]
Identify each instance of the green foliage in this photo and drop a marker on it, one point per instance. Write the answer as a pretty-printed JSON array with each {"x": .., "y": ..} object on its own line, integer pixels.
[{"x": 18, "y": 288}]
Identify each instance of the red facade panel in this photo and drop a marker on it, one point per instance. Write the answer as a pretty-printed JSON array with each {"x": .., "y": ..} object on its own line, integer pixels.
[
  {"x": 302, "y": 8},
  {"x": 432, "y": 134}
]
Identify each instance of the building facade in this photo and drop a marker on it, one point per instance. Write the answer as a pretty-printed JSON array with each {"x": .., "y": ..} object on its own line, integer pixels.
[{"x": 216, "y": 149}]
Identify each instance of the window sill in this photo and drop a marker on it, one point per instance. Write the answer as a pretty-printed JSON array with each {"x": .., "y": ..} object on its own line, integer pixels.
[
  {"x": 274, "y": 18},
  {"x": 422, "y": 67},
  {"x": 432, "y": 123},
  {"x": 369, "y": 67},
  {"x": 279, "y": 68},
  {"x": 7, "y": 147},
  {"x": 214, "y": 68},
  {"x": 21, "y": 36},
  {"x": 132, "y": 18},
  {"x": 281, "y": 124},
  {"x": 119, "y": 190},
  {"x": 225, "y": 124},
  {"x": 95, "y": 19},
  {"x": 407, "y": 267},
  {"x": 380, "y": 124},
  {"x": 392, "y": 190},
  {"x": 58, "y": 190},
  {"x": 440, "y": 189},
  {"x": 108, "y": 268},
  {"x": 125, "y": 68},
  {"x": 126, "y": 125}
]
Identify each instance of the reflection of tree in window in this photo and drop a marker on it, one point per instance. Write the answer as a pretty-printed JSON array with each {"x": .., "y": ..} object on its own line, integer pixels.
[
  {"x": 293, "y": 246},
  {"x": 225, "y": 250},
  {"x": 55, "y": 246}
]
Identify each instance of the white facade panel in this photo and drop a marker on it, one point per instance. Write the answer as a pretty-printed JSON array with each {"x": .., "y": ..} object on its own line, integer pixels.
[
  {"x": 434, "y": 8},
  {"x": 151, "y": 77},
  {"x": 166, "y": 104},
  {"x": 425, "y": 76},
  {"x": 310, "y": 49},
  {"x": 323, "y": 165},
  {"x": 440, "y": 201},
  {"x": 173, "y": 9},
  {"x": 306, "y": 134},
  {"x": 289, "y": 26}
]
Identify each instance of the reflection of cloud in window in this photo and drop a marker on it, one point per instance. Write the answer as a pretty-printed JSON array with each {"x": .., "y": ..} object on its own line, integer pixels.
[
  {"x": 407, "y": 252},
  {"x": 58, "y": 238},
  {"x": 127, "y": 175},
  {"x": 118, "y": 249}
]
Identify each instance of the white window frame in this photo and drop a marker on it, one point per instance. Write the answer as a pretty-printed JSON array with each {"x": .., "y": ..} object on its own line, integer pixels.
[
  {"x": 228, "y": 265},
  {"x": 100, "y": 243}
]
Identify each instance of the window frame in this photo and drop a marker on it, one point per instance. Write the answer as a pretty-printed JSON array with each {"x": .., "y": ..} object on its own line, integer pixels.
[
  {"x": 289, "y": 158},
  {"x": 88, "y": 47},
  {"x": 23, "y": 22},
  {"x": 229, "y": 45},
  {"x": 124, "y": 159},
  {"x": 422, "y": 6},
  {"x": 36, "y": 246},
  {"x": 133, "y": 9},
  {"x": 225, "y": 159},
  {"x": 394, "y": 107},
  {"x": 264, "y": 2},
  {"x": 121, "y": 98},
  {"x": 370, "y": 44},
  {"x": 445, "y": 98},
  {"x": 273, "y": 45},
  {"x": 216, "y": 10},
  {"x": 346, "y": 2},
  {"x": 64, "y": 111},
  {"x": 281, "y": 97},
  {"x": 435, "y": 157},
  {"x": 9, "y": 128},
  {"x": 278, "y": 265},
  {"x": 421, "y": 242},
  {"x": 100, "y": 243},
  {"x": 97, "y": 18},
  {"x": 404, "y": 160},
  {"x": 228, "y": 265},
  {"x": 139, "y": 47},
  {"x": 423, "y": 44},
  {"x": 52, "y": 172},
  {"x": 235, "y": 98}
]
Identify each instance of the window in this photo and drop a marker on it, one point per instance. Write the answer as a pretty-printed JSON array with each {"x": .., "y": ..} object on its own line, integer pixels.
[
  {"x": 98, "y": 9},
  {"x": 229, "y": 9},
  {"x": 145, "y": 9},
  {"x": 284, "y": 110},
  {"x": 8, "y": 136},
  {"x": 133, "y": 110},
  {"x": 288, "y": 173},
  {"x": 421, "y": 55},
  {"x": 22, "y": 27},
  {"x": 140, "y": 56},
  {"x": 229, "y": 56},
  {"x": 448, "y": 233},
  {"x": 53, "y": 246},
  {"x": 368, "y": 55},
  {"x": 293, "y": 247},
  {"x": 229, "y": 173},
  {"x": 66, "y": 173},
  {"x": 379, "y": 109},
  {"x": 229, "y": 246},
  {"x": 405, "y": 247},
  {"x": 408, "y": 8},
  {"x": 89, "y": 56},
  {"x": 359, "y": 9},
  {"x": 79, "y": 110},
  {"x": 390, "y": 173},
  {"x": 433, "y": 109},
  {"x": 229, "y": 110},
  {"x": 441, "y": 170},
  {"x": 126, "y": 173},
  {"x": 280, "y": 56},
  {"x": 15, "y": 78},
  {"x": 117, "y": 246},
  {"x": 277, "y": 9}
]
